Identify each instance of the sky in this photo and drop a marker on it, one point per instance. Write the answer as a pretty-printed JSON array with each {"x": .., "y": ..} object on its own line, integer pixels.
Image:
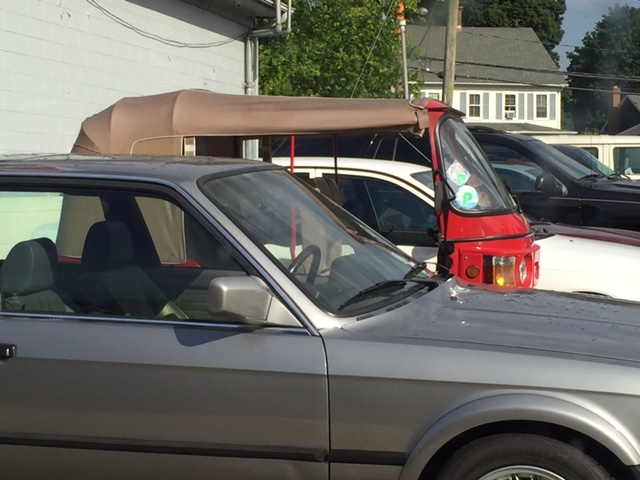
[{"x": 581, "y": 17}]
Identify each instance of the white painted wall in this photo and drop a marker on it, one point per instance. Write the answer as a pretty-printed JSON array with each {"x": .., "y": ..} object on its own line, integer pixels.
[{"x": 64, "y": 60}]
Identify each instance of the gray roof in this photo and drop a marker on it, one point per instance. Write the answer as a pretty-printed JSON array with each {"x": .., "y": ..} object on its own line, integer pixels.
[
  {"x": 633, "y": 100},
  {"x": 485, "y": 56}
]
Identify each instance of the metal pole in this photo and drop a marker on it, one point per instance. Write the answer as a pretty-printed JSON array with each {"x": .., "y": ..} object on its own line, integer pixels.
[{"x": 403, "y": 27}]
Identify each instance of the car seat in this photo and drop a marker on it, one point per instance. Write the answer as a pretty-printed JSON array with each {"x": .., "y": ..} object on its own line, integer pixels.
[
  {"x": 114, "y": 284},
  {"x": 28, "y": 278}
]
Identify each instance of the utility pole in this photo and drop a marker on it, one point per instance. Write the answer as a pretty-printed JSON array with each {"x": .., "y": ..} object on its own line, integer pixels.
[
  {"x": 403, "y": 27},
  {"x": 450, "y": 53}
]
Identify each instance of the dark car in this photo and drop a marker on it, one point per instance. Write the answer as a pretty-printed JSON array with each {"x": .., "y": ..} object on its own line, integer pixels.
[{"x": 554, "y": 187}]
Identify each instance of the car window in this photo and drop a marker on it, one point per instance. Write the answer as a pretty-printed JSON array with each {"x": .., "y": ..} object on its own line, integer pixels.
[
  {"x": 516, "y": 170},
  {"x": 627, "y": 159},
  {"x": 107, "y": 253},
  {"x": 399, "y": 215}
]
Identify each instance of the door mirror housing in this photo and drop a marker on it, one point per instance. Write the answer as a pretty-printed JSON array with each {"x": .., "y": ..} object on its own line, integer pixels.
[
  {"x": 550, "y": 186},
  {"x": 247, "y": 300}
]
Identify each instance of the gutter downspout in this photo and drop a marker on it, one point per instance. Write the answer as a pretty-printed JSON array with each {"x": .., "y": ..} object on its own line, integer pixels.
[{"x": 252, "y": 61}]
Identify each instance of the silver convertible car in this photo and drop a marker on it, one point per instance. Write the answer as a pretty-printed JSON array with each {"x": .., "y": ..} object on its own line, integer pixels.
[{"x": 174, "y": 318}]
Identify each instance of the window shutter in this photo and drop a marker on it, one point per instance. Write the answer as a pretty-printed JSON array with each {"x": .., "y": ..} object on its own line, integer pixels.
[
  {"x": 499, "y": 113},
  {"x": 521, "y": 106},
  {"x": 552, "y": 106},
  {"x": 463, "y": 102},
  {"x": 530, "y": 106},
  {"x": 485, "y": 105}
]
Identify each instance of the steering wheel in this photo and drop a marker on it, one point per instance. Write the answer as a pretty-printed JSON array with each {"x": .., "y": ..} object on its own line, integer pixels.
[{"x": 310, "y": 251}]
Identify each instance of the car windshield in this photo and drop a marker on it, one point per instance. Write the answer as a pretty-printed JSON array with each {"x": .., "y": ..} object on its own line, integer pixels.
[
  {"x": 473, "y": 184},
  {"x": 586, "y": 159},
  {"x": 560, "y": 161},
  {"x": 337, "y": 261}
]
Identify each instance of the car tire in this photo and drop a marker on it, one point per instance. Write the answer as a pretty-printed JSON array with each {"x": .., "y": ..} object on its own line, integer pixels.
[{"x": 522, "y": 456}]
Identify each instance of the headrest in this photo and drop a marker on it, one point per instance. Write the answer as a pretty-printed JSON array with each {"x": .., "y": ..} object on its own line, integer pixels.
[
  {"x": 107, "y": 246},
  {"x": 328, "y": 187},
  {"x": 52, "y": 253},
  {"x": 27, "y": 269}
]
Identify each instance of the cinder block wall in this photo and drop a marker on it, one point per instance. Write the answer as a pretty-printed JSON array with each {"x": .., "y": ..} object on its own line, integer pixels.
[{"x": 64, "y": 60}]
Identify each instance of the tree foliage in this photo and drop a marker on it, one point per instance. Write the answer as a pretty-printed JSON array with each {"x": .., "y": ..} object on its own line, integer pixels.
[
  {"x": 337, "y": 48},
  {"x": 608, "y": 53},
  {"x": 543, "y": 16}
]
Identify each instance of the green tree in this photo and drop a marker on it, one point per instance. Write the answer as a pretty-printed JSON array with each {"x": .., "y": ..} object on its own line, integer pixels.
[
  {"x": 543, "y": 16},
  {"x": 337, "y": 48},
  {"x": 608, "y": 54}
]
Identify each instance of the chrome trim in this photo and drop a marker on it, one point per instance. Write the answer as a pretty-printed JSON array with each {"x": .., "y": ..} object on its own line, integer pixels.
[{"x": 146, "y": 321}]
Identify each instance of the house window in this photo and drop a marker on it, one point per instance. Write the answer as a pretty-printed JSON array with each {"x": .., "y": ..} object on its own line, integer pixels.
[
  {"x": 509, "y": 107},
  {"x": 541, "y": 106},
  {"x": 434, "y": 95},
  {"x": 474, "y": 105}
]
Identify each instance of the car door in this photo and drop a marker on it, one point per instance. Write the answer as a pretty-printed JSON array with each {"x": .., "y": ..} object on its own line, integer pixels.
[
  {"x": 94, "y": 391},
  {"x": 520, "y": 170}
]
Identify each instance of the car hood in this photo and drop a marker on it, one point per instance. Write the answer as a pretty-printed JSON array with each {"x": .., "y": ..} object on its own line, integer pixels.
[
  {"x": 534, "y": 320},
  {"x": 615, "y": 235},
  {"x": 615, "y": 184}
]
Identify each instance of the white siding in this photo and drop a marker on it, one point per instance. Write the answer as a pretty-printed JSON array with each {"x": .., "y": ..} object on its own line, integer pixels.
[
  {"x": 64, "y": 60},
  {"x": 492, "y": 99}
]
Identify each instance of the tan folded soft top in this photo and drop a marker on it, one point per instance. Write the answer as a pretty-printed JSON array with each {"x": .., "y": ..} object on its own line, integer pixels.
[{"x": 170, "y": 117}]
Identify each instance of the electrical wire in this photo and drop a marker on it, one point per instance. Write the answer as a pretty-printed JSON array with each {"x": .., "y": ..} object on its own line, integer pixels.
[
  {"x": 596, "y": 76},
  {"x": 538, "y": 42},
  {"x": 529, "y": 84},
  {"x": 373, "y": 46},
  {"x": 158, "y": 38}
]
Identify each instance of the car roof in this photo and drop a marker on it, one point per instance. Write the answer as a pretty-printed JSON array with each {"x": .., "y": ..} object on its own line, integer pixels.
[{"x": 168, "y": 168}]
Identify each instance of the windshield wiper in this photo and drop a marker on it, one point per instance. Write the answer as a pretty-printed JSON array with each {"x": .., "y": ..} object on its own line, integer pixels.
[
  {"x": 415, "y": 270},
  {"x": 393, "y": 285},
  {"x": 374, "y": 290},
  {"x": 591, "y": 176}
]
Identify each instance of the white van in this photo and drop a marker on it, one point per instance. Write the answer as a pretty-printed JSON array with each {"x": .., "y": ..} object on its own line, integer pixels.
[{"x": 619, "y": 152}]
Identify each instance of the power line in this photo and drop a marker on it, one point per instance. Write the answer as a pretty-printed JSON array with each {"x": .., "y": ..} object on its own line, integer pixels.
[
  {"x": 373, "y": 46},
  {"x": 589, "y": 75},
  {"x": 158, "y": 38},
  {"x": 530, "y": 84}
]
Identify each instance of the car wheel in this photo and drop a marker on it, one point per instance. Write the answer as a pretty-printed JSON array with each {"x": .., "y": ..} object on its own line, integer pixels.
[{"x": 521, "y": 457}]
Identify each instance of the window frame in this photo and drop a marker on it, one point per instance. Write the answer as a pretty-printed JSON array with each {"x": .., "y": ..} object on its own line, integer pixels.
[
  {"x": 472, "y": 105},
  {"x": 539, "y": 107},
  {"x": 147, "y": 188},
  {"x": 509, "y": 107}
]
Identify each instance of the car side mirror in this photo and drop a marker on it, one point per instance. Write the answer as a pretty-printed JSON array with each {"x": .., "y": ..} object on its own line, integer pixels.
[
  {"x": 550, "y": 186},
  {"x": 247, "y": 300}
]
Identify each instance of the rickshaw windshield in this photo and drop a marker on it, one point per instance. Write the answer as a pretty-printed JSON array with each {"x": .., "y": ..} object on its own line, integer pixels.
[{"x": 473, "y": 186}]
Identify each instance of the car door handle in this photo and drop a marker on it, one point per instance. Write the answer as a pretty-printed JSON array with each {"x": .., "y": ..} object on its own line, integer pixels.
[{"x": 7, "y": 351}]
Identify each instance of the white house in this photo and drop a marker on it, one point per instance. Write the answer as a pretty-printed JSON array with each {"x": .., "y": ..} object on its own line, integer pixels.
[
  {"x": 64, "y": 60},
  {"x": 504, "y": 77}
]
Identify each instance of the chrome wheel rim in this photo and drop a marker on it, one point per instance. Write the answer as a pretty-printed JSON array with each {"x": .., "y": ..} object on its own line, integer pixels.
[{"x": 521, "y": 472}]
